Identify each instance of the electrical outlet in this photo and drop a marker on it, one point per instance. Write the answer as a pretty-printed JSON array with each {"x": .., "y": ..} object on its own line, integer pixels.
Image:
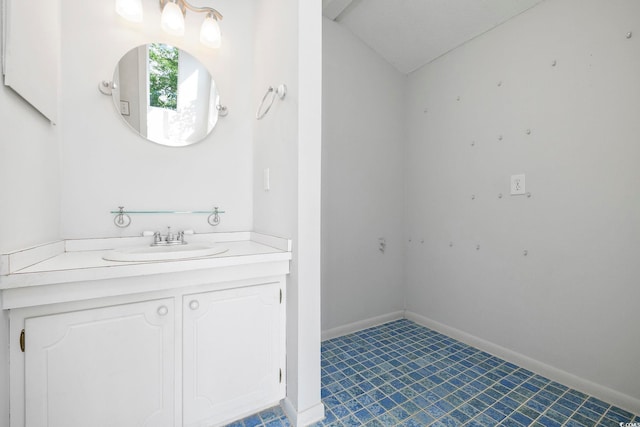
[{"x": 517, "y": 184}]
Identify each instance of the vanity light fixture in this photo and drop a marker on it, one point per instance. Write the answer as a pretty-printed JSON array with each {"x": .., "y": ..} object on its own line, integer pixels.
[
  {"x": 172, "y": 21},
  {"x": 172, "y": 18},
  {"x": 210, "y": 32}
]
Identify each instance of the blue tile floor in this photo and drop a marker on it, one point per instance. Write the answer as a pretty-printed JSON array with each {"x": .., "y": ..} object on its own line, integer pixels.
[{"x": 403, "y": 374}]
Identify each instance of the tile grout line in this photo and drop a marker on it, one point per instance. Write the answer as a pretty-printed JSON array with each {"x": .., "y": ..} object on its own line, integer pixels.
[
  {"x": 407, "y": 348},
  {"x": 441, "y": 357},
  {"x": 468, "y": 356}
]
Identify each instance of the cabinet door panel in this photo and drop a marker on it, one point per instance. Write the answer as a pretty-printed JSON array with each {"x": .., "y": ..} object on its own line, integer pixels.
[
  {"x": 110, "y": 366},
  {"x": 233, "y": 353}
]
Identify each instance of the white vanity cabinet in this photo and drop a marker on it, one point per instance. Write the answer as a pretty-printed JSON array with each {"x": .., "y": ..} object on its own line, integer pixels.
[
  {"x": 187, "y": 343},
  {"x": 233, "y": 352},
  {"x": 201, "y": 356},
  {"x": 110, "y": 366}
]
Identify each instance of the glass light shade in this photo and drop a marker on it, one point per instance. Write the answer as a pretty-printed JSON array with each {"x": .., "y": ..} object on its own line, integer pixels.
[
  {"x": 172, "y": 19},
  {"x": 131, "y": 10},
  {"x": 210, "y": 32}
]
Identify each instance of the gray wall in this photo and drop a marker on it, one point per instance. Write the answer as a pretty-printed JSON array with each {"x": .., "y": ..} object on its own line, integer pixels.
[
  {"x": 362, "y": 182},
  {"x": 571, "y": 304}
]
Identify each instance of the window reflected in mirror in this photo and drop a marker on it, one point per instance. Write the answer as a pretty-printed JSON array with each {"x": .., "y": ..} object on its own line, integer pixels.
[{"x": 163, "y": 76}]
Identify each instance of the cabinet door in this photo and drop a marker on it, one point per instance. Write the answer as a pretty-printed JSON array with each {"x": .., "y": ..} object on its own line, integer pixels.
[
  {"x": 233, "y": 353},
  {"x": 110, "y": 366}
]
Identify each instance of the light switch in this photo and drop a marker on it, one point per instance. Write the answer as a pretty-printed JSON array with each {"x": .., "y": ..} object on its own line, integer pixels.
[
  {"x": 266, "y": 179},
  {"x": 517, "y": 184},
  {"x": 124, "y": 108}
]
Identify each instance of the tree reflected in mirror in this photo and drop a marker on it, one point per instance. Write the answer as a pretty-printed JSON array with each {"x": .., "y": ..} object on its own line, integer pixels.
[{"x": 163, "y": 76}]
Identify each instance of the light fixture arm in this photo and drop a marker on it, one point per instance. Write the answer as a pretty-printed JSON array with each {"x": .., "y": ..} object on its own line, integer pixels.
[{"x": 183, "y": 4}]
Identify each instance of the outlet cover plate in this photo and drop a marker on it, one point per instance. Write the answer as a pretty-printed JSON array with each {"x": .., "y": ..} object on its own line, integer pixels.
[{"x": 517, "y": 185}]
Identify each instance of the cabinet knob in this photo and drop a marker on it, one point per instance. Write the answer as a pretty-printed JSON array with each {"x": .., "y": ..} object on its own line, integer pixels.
[
  {"x": 163, "y": 310},
  {"x": 194, "y": 305}
]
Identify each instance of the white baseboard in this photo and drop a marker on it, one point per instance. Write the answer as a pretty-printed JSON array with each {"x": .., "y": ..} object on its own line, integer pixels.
[
  {"x": 606, "y": 394},
  {"x": 361, "y": 324},
  {"x": 305, "y": 418}
]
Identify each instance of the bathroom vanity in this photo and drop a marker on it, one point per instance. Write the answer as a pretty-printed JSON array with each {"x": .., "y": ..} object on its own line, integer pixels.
[{"x": 167, "y": 342}]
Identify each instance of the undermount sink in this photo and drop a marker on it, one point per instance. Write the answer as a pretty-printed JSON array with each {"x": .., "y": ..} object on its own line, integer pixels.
[{"x": 163, "y": 253}]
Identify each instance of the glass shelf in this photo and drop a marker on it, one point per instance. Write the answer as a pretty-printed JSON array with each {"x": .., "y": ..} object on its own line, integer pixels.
[
  {"x": 166, "y": 212},
  {"x": 123, "y": 220}
]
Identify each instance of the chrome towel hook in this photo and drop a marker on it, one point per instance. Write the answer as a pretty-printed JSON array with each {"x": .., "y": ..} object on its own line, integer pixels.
[{"x": 281, "y": 92}]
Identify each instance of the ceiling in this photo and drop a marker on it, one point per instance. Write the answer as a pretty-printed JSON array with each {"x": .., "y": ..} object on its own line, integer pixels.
[{"x": 411, "y": 33}]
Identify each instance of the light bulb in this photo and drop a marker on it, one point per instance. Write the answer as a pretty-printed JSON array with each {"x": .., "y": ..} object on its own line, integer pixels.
[
  {"x": 131, "y": 10},
  {"x": 210, "y": 32},
  {"x": 172, "y": 19}
]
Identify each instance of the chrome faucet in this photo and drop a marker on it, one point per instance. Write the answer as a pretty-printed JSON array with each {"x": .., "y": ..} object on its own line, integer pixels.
[{"x": 169, "y": 239}]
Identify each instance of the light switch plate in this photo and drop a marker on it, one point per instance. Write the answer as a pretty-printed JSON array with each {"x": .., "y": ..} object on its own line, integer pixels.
[
  {"x": 517, "y": 184},
  {"x": 266, "y": 179},
  {"x": 124, "y": 108}
]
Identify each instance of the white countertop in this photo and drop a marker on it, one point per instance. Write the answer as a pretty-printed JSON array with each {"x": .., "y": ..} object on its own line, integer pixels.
[{"x": 47, "y": 265}]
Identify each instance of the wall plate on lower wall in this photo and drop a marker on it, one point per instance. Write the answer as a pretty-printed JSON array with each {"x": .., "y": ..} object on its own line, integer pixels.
[{"x": 517, "y": 184}]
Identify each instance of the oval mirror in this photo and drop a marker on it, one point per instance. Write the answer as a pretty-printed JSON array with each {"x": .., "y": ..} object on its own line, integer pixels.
[{"x": 165, "y": 94}]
